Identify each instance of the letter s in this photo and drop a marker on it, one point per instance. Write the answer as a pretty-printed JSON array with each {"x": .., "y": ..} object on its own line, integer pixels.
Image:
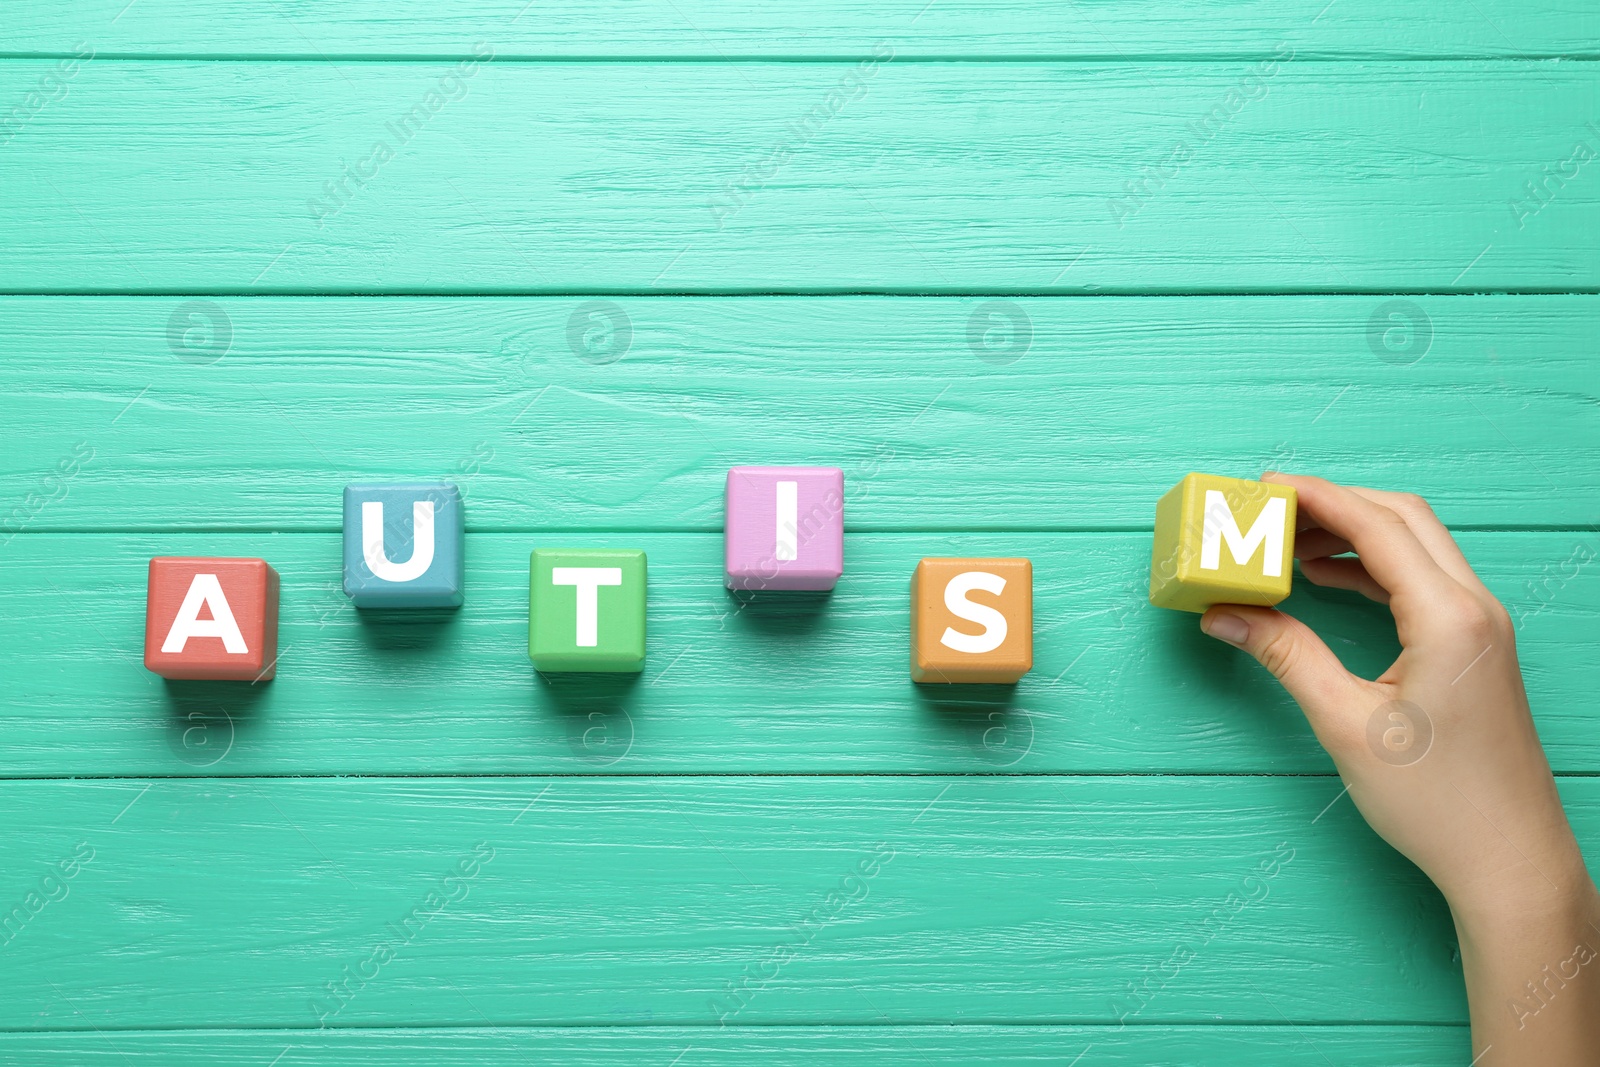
[{"x": 993, "y": 623}]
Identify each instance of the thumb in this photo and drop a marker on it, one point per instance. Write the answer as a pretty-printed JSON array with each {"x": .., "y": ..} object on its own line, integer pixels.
[{"x": 1288, "y": 648}]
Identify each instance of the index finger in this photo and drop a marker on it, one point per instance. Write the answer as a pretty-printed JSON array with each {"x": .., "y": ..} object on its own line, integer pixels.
[
  {"x": 1388, "y": 548},
  {"x": 1433, "y": 534}
]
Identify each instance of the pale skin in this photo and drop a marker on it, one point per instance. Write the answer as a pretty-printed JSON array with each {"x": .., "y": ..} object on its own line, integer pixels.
[{"x": 1478, "y": 812}]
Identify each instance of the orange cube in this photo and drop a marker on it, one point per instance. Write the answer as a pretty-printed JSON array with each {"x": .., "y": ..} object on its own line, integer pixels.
[{"x": 971, "y": 620}]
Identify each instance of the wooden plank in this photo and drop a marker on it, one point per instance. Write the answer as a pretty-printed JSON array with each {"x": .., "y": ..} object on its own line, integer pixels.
[
  {"x": 571, "y": 901},
  {"x": 773, "y": 684},
  {"x": 1104, "y": 407},
  {"x": 715, "y": 29},
  {"x": 778, "y": 1046},
  {"x": 1188, "y": 177}
]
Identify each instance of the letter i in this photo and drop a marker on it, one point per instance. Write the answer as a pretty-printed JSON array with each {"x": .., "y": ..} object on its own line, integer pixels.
[{"x": 788, "y": 521}]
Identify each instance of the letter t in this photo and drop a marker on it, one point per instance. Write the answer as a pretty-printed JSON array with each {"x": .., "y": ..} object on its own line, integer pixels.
[{"x": 588, "y": 581}]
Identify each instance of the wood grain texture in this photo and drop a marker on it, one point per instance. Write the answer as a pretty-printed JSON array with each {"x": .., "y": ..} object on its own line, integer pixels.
[
  {"x": 1104, "y": 405},
  {"x": 780, "y": 1046},
  {"x": 778, "y": 683},
  {"x": 903, "y": 900},
  {"x": 553, "y": 292},
  {"x": 689, "y": 177},
  {"x": 715, "y": 29}
]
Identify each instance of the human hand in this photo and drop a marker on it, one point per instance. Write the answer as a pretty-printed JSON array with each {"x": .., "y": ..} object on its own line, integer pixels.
[{"x": 1440, "y": 754}]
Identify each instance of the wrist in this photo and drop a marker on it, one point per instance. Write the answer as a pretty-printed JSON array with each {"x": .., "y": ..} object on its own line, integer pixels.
[{"x": 1516, "y": 910}]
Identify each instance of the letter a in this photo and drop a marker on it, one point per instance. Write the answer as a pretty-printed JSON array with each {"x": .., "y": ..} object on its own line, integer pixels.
[{"x": 205, "y": 589}]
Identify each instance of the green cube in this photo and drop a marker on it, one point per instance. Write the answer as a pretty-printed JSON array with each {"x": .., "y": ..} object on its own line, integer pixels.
[{"x": 586, "y": 609}]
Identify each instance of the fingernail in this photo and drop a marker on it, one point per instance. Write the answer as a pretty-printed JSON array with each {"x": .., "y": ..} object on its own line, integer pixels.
[{"x": 1229, "y": 628}]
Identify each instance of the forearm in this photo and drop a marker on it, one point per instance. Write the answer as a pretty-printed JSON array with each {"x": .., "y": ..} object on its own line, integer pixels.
[
  {"x": 1532, "y": 965},
  {"x": 1464, "y": 790}
]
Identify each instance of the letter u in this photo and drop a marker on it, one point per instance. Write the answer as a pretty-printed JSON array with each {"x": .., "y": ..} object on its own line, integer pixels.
[{"x": 421, "y": 541}]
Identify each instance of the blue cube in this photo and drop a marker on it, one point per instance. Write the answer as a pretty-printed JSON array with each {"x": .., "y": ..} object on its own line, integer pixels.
[{"x": 402, "y": 545}]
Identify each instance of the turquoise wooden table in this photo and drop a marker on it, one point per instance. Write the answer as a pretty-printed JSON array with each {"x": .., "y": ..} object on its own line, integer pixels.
[{"x": 1014, "y": 267}]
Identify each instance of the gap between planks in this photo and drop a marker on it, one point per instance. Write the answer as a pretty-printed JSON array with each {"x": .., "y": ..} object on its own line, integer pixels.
[
  {"x": 704, "y": 531},
  {"x": 624, "y": 775},
  {"x": 1116, "y": 59},
  {"x": 1199, "y": 1025},
  {"x": 799, "y": 292}
]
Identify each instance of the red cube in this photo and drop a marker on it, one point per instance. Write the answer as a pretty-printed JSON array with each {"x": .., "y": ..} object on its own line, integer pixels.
[{"x": 211, "y": 618}]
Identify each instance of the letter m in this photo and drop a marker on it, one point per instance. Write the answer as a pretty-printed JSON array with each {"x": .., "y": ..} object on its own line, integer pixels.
[
  {"x": 412, "y": 121},
  {"x": 411, "y": 925},
  {"x": 18, "y": 916},
  {"x": 814, "y": 521},
  {"x": 1220, "y": 526}
]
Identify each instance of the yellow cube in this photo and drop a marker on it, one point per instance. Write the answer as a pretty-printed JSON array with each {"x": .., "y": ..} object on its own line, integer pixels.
[{"x": 1222, "y": 541}]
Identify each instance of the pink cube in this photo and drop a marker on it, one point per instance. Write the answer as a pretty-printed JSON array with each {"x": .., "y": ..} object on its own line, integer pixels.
[{"x": 785, "y": 527}]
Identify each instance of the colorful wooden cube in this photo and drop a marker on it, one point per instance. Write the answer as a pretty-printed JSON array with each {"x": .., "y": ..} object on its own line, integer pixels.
[
  {"x": 971, "y": 620},
  {"x": 1222, "y": 541},
  {"x": 784, "y": 528},
  {"x": 211, "y": 618},
  {"x": 586, "y": 609},
  {"x": 403, "y": 545}
]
